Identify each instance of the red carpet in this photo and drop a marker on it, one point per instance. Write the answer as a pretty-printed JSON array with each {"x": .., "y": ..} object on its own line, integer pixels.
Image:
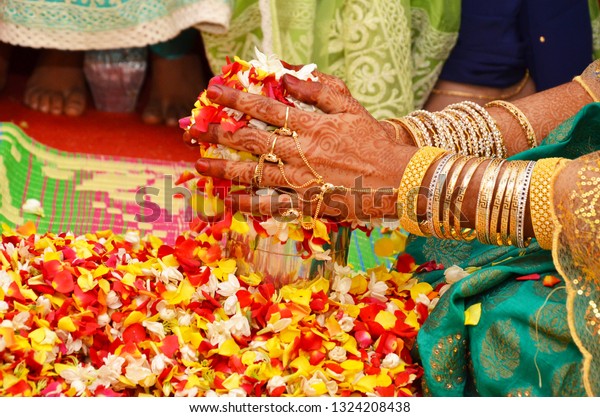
[{"x": 117, "y": 134}]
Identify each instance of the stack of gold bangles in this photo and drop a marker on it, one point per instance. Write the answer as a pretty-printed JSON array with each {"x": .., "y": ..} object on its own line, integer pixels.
[
  {"x": 465, "y": 128},
  {"x": 505, "y": 190}
]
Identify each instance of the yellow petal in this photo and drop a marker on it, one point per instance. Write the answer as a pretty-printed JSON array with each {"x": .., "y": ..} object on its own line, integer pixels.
[
  {"x": 386, "y": 319},
  {"x": 412, "y": 320},
  {"x": 184, "y": 293},
  {"x": 320, "y": 230},
  {"x": 296, "y": 295},
  {"x": 227, "y": 266},
  {"x": 170, "y": 260},
  {"x": 239, "y": 224},
  {"x": 359, "y": 285},
  {"x": 66, "y": 324},
  {"x": 352, "y": 365},
  {"x": 134, "y": 317},
  {"x": 101, "y": 270},
  {"x": 473, "y": 314},
  {"x": 320, "y": 284},
  {"x": 233, "y": 381},
  {"x": 420, "y": 288},
  {"x": 229, "y": 348}
]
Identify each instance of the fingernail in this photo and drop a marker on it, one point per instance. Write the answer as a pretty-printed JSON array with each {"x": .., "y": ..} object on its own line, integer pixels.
[
  {"x": 291, "y": 80},
  {"x": 214, "y": 92},
  {"x": 201, "y": 166}
]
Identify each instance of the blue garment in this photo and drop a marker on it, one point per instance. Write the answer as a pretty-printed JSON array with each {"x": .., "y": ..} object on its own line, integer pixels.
[{"x": 499, "y": 40}]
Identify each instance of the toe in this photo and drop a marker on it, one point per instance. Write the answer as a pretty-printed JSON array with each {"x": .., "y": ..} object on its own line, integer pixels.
[
  {"x": 44, "y": 102},
  {"x": 75, "y": 103},
  {"x": 171, "y": 116},
  {"x": 56, "y": 104},
  {"x": 152, "y": 113}
]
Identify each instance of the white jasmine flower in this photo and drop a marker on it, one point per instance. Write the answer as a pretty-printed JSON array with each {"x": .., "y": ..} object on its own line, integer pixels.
[
  {"x": 43, "y": 305},
  {"x": 103, "y": 319},
  {"x": 454, "y": 274},
  {"x": 113, "y": 301},
  {"x": 33, "y": 206},
  {"x": 340, "y": 289},
  {"x": 377, "y": 289},
  {"x": 275, "y": 382},
  {"x": 133, "y": 237},
  {"x": 159, "y": 363},
  {"x": 109, "y": 373},
  {"x": 318, "y": 378},
  {"x": 229, "y": 287},
  {"x": 217, "y": 332},
  {"x": 258, "y": 124},
  {"x": 165, "y": 312},
  {"x": 238, "y": 325},
  {"x": 338, "y": 354},
  {"x": 188, "y": 354},
  {"x": 155, "y": 327},
  {"x": 5, "y": 280},
  {"x": 184, "y": 319},
  {"x": 346, "y": 323},
  {"x": 391, "y": 361},
  {"x": 78, "y": 377},
  {"x": 138, "y": 369},
  {"x": 277, "y": 229},
  {"x": 3, "y": 306},
  {"x": 230, "y": 305}
]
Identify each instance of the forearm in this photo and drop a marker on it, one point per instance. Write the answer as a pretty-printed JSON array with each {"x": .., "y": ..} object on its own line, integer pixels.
[
  {"x": 503, "y": 202},
  {"x": 544, "y": 111}
]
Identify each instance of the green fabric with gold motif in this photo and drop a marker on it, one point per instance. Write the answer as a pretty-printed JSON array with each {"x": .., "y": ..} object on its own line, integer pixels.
[{"x": 522, "y": 344}]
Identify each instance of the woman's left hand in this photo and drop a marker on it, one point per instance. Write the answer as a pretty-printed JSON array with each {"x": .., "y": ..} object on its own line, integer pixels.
[{"x": 344, "y": 146}]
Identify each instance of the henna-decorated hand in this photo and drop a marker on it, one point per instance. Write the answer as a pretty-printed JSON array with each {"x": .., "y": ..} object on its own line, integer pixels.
[{"x": 345, "y": 145}]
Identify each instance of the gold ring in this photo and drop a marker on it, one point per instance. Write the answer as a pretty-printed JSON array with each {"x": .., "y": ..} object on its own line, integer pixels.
[
  {"x": 291, "y": 212},
  {"x": 285, "y": 130},
  {"x": 287, "y": 114},
  {"x": 271, "y": 156},
  {"x": 258, "y": 169}
]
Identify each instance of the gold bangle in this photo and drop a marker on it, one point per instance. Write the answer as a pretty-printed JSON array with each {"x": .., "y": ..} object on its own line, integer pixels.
[
  {"x": 432, "y": 196},
  {"x": 397, "y": 136},
  {"x": 539, "y": 200},
  {"x": 486, "y": 193},
  {"x": 494, "y": 228},
  {"x": 450, "y": 188},
  {"x": 587, "y": 89},
  {"x": 520, "y": 117},
  {"x": 436, "y": 222},
  {"x": 418, "y": 130},
  {"x": 413, "y": 131},
  {"x": 409, "y": 188},
  {"x": 514, "y": 207},
  {"x": 504, "y": 236},
  {"x": 460, "y": 232}
]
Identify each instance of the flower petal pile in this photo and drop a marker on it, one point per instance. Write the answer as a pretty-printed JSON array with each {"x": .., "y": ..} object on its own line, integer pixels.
[{"x": 112, "y": 315}]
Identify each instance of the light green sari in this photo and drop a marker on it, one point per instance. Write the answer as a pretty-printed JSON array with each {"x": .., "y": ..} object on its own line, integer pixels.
[{"x": 389, "y": 53}]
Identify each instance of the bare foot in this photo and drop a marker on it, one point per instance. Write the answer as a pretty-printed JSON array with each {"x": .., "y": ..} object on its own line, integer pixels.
[
  {"x": 5, "y": 50},
  {"x": 57, "y": 85},
  {"x": 174, "y": 88}
]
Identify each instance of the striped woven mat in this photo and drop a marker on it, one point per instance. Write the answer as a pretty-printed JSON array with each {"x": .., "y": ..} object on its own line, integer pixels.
[{"x": 87, "y": 192}]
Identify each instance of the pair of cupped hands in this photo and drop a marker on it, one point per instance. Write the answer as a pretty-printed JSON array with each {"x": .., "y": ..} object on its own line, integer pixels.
[{"x": 343, "y": 143}]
